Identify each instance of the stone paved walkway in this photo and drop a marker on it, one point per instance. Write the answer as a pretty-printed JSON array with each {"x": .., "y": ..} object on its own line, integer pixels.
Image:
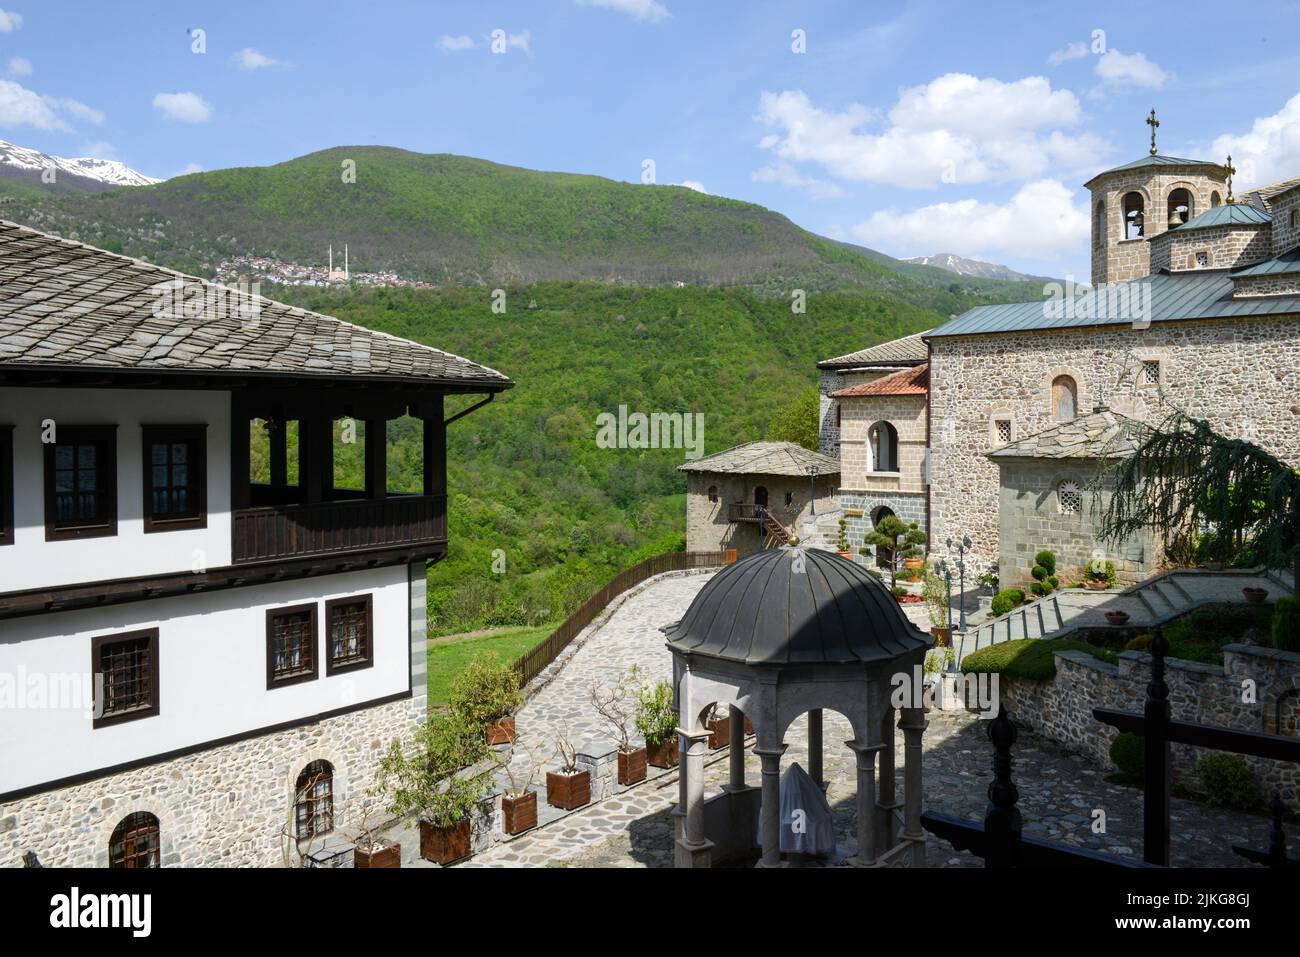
[{"x": 1058, "y": 792}]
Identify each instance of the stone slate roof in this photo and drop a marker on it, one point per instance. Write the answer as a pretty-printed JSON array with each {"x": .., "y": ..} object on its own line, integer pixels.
[
  {"x": 908, "y": 350},
  {"x": 64, "y": 305},
  {"x": 766, "y": 610},
  {"x": 765, "y": 458},
  {"x": 1197, "y": 294},
  {"x": 914, "y": 381},
  {"x": 1100, "y": 434},
  {"x": 1229, "y": 214},
  {"x": 1263, "y": 196},
  {"x": 1158, "y": 159}
]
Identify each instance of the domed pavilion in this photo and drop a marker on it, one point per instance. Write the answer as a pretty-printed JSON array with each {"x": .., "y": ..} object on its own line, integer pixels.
[{"x": 779, "y": 634}]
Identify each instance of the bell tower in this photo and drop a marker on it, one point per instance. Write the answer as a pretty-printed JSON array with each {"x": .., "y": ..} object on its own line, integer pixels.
[{"x": 1144, "y": 198}]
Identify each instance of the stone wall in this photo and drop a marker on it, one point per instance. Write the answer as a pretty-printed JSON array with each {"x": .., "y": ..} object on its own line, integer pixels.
[
  {"x": 1222, "y": 246},
  {"x": 832, "y": 380},
  {"x": 1061, "y": 709},
  {"x": 1243, "y": 375},
  {"x": 1286, "y": 221},
  {"x": 906, "y": 413},
  {"x": 910, "y": 507},
  {"x": 708, "y": 527},
  {"x": 1246, "y": 287},
  {"x": 227, "y": 806}
]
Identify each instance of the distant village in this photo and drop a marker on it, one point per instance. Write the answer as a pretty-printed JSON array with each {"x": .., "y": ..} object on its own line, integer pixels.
[{"x": 262, "y": 268}]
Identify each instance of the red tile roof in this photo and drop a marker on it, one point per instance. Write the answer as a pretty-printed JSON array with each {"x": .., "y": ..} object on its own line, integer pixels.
[{"x": 915, "y": 381}]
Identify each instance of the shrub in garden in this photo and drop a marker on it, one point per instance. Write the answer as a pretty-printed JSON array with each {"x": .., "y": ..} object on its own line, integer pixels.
[
  {"x": 1006, "y": 600},
  {"x": 1047, "y": 561},
  {"x": 656, "y": 718},
  {"x": 486, "y": 690},
  {"x": 1286, "y": 623},
  {"x": 1126, "y": 752},
  {"x": 1229, "y": 782},
  {"x": 1044, "y": 574}
]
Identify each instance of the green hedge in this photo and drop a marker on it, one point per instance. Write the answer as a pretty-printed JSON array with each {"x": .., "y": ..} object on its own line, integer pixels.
[
  {"x": 1030, "y": 658},
  {"x": 1006, "y": 600},
  {"x": 1126, "y": 751},
  {"x": 1286, "y": 623},
  {"x": 1229, "y": 782}
]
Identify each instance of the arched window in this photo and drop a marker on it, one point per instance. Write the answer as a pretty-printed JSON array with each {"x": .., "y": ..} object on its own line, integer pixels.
[
  {"x": 1180, "y": 207},
  {"x": 314, "y": 800},
  {"x": 1065, "y": 399},
  {"x": 1215, "y": 199},
  {"x": 1099, "y": 225},
  {"x": 1069, "y": 497},
  {"x": 884, "y": 447},
  {"x": 1134, "y": 215},
  {"x": 713, "y": 493},
  {"x": 135, "y": 842}
]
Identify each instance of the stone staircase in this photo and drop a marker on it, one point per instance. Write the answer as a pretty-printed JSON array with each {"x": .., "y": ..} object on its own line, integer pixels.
[{"x": 1149, "y": 603}]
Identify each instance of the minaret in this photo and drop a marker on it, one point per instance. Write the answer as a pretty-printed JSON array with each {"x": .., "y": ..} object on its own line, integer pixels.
[
  {"x": 345, "y": 262},
  {"x": 331, "y": 270}
]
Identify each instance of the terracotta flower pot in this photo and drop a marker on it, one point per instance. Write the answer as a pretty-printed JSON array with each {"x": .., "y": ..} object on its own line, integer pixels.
[
  {"x": 383, "y": 854},
  {"x": 445, "y": 845},
  {"x": 719, "y": 732},
  {"x": 568, "y": 791},
  {"x": 848, "y": 555},
  {"x": 500, "y": 731},
  {"x": 631, "y": 766},
  {"x": 662, "y": 755},
  {"x": 518, "y": 813},
  {"x": 1255, "y": 596},
  {"x": 1117, "y": 617},
  {"x": 1097, "y": 584},
  {"x": 913, "y": 562}
]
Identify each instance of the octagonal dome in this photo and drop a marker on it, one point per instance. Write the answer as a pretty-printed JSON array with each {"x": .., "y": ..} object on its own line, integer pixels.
[{"x": 763, "y": 611}]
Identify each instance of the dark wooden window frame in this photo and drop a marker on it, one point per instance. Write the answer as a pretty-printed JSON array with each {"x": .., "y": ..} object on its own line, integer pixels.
[
  {"x": 197, "y": 437},
  {"x": 369, "y": 659},
  {"x": 310, "y": 802},
  {"x": 6, "y": 484},
  {"x": 96, "y": 650},
  {"x": 271, "y": 615},
  {"x": 107, "y": 434},
  {"x": 132, "y": 828}
]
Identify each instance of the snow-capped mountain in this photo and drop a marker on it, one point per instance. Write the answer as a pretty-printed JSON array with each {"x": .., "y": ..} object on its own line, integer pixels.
[
  {"x": 28, "y": 164},
  {"x": 969, "y": 267}
]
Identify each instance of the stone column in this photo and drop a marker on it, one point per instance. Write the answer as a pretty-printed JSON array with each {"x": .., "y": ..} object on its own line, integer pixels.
[
  {"x": 866, "y": 754},
  {"x": 693, "y": 848},
  {"x": 736, "y": 757},
  {"x": 913, "y": 725},
  {"x": 770, "y": 812},
  {"x": 886, "y": 799},
  {"x": 815, "y": 745}
]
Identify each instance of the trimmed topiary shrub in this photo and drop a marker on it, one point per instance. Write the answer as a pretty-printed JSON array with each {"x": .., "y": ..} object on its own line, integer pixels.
[
  {"x": 1041, "y": 589},
  {"x": 1140, "y": 642},
  {"x": 1229, "y": 782},
  {"x": 1038, "y": 572},
  {"x": 1047, "y": 561},
  {"x": 1126, "y": 751},
  {"x": 1006, "y": 600},
  {"x": 1286, "y": 623}
]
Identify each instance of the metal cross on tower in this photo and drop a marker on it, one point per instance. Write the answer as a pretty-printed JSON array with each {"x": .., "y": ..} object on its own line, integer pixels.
[
  {"x": 1153, "y": 123},
  {"x": 1230, "y": 169}
]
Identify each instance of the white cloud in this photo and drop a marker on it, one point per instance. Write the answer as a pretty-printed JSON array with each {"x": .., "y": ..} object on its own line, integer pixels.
[
  {"x": 649, "y": 10},
  {"x": 787, "y": 175},
  {"x": 957, "y": 128},
  {"x": 183, "y": 107},
  {"x": 1269, "y": 152},
  {"x": 695, "y": 185},
  {"x": 455, "y": 44},
  {"x": 75, "y": 109},
  {"x": 1130, "y": 69},
  {"x": 1072, "y": 51},
  {"x": 10, "y": 22},
  {"x": 1041, "y": 220},
  {"x": 20, "y": 106},
  {"x": 18, "y": 66},
  {"x": 250, "y": 59}
]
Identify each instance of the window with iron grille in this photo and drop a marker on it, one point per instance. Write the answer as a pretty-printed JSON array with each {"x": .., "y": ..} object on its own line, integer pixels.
[
  {"x": 349, "y": 633},
  {"x": 1071, "y": 497},
  {"x": 290, "y": 645},
  {"x": 125, "y": 668},
  {"x": 314, "y": 800},
  {"x": 135, "y": 842},
  {"x": 1151, "y": 372},
  {"x": 174, "y": 477},
  {"x": 1004, "y": 431},
  {"x": 81, "y": 482}
]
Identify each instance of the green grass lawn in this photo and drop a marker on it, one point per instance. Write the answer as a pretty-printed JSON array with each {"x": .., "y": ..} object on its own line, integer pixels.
[{"x": 449, "y": 655}]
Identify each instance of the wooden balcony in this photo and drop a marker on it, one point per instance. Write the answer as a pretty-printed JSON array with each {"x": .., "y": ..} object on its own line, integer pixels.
[
  {"x": 278, "y": 532},
  {"x": 745, "y": 512}
]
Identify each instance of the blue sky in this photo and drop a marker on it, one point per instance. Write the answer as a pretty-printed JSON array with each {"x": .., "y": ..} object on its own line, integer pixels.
[{"x": 910, "y": 127}]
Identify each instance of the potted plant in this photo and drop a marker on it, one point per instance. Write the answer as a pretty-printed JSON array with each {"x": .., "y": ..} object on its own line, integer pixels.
[
  {"x": 936, "y": 663},
  {"x": 1100, "y": 576},
  {"x": 434, "y": 776},
  {"x": 372, "y": 850},
  {"x": 519, "y": 800},
  {"x": 935, "y": 592},
  {"x": 988, "y": 580},
  {"x": 615, "y": 706},
  {"x": 567, "y": 788},
  {"x": 487, "y": 694},
  {"x": 656, "y": 719},
  {"x": 842, "y": 544},
  {"x": 1117, "y": 617},
  {"x": 898, "y": 539},
  {"x": 1255, "y": 595}
]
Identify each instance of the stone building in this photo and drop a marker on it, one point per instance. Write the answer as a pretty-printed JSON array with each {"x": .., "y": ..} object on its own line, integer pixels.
[{"x": 756, "y": 495}]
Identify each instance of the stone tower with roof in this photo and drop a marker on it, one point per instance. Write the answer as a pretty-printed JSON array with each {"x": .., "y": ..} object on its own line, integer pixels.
[{"x": 1135, "y": 202}]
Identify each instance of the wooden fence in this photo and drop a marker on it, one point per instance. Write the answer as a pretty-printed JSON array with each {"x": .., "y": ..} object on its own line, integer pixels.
[{"x": 530, "y": 665}]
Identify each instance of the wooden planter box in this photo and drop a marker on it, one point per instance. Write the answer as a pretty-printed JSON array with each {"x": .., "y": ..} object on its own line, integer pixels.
[
  {"x": 568, "y": 791},
  {"x": 662, "y": 755},
  {"x": 631, "y": 766},
  {"x": 386, "y": 854},
  {"x": 445, "y": 845},
  {"x": 518, "y": 814},
  {"x": 719, "y": 732},
  {"x": 941, "y": 637},
  {"x": 500, "y": 731}
]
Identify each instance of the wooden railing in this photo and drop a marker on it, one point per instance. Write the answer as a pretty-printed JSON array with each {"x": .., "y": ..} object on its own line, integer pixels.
[
  {"x": 323, "y": 528},
  {"x": 745, "y": 512},
  {"x": 530, "y": 665}
]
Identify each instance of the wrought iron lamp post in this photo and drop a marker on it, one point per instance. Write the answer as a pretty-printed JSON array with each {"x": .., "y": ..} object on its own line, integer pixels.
[
  {"x": 946, "y": 572},
  {"x": 812, "y": 488},
  {"x": 962, "y": 548}
]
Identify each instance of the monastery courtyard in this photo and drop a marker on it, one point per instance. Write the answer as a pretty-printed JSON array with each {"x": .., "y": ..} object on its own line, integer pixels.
[{"x": 634, "y": 828}]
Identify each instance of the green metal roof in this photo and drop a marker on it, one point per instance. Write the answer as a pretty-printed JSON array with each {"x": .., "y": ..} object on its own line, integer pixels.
[
  {"x": 1156, "y": 160},
  {"x": 1229, "y": 214},
  {"x": 1202, "y": 294},
  {"x": 1287, "y": 262}
]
